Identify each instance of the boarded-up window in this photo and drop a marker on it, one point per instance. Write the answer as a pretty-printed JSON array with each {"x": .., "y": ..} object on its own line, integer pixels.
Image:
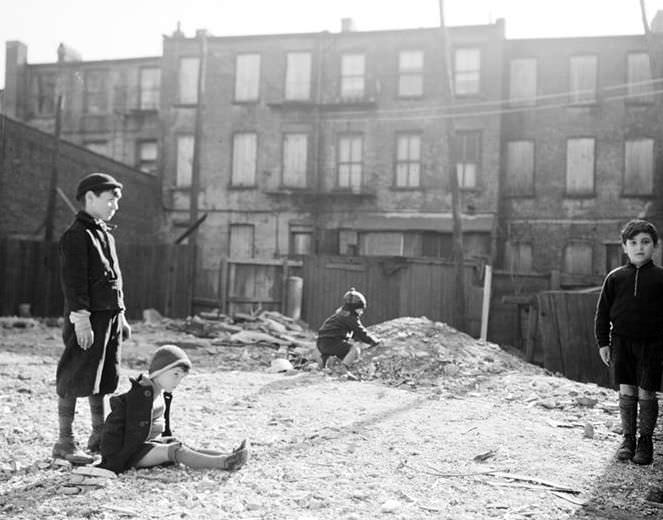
[
  {"x": 353, "y": 80},
  {"x": 467, "y": 154},
  {"x": 578, "y": 258},
  {"x": 518, "y": 257},
  {"x": 184, "y": 160},
  {"x": 348, "y": 242},
  {"x": 244, "y": 159},
  {"x": 44, "y": 94},
  {"x": 639, "y": 167},
  {"x": 150, "y": 88},
  {"x": 639, "y": 78},
  {"x": 408, "y": 160},
  {"x": 522, "y": 81},
  {"x": 298, "y": 76},
  {"x": 301, "y": 240},
  {"x": 187, "y": 80},
  {"x": 467, "y": 71},
  {"x": 411, "y": 73},
  {"x": 247, "y": 77},
  {"x": 295, "y": 160},
  {"x": 100, "y": 147},
  {"x": 580, "y": 166},
  {"x": 381, "y": 243},
  {"x": 96, "y": 91},
  {"x": 147, "y": 156},
  {"x": 520, "y": 168},
  {"x": 582, "y": 78},
  {"x": 350, "y": 162},
  {"x": 242, "y": 241}
]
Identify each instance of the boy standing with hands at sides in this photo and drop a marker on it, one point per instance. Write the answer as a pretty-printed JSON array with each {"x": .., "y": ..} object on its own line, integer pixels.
[
  {"x": 94, "y": 323},
  {"x": 335, "y": 335},
  {"x": 629, "y": 333},
  {"x": 137, "y": 430}
]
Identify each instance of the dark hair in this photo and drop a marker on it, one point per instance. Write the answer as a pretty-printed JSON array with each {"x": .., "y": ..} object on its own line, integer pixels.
[
  {"x": 117, "y": 192},
  {"x": 636, "y": 226}
]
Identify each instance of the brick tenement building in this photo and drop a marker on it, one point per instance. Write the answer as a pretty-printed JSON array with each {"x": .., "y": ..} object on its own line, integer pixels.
[
  {"x": 109, "y": 106},
  {"x": 580, "y": 134},
  {"x": 332, "y": 143}
]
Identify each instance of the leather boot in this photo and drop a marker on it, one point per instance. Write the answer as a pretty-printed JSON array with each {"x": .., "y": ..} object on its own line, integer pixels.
[
  {"x": 644, "y": 453},
  {"x": 628, "y": 410}
]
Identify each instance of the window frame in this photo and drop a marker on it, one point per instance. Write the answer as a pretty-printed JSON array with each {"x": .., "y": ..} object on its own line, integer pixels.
[
  {"x": 638, "y": 95},
  {"x": 625, "y": 180},
  {"x": 188, "y": 95},
  {"x": 580, "y": 195},
  {"x": 234, "y": 184},
  {"x": 179, "y": 138},
  {"x": 577, "y": 96},
  {"x": 101, "y": 94},
  {"x": 509, "y": 189},
  {"x": 351, "y": 94},
  {"x": 574, "y": 243},
  {"x": 290, "y": 76},
  {"x": 241, "y": 82},
  {"x": 410, "y": 73},
  {"x": 475, "y": 74},
  {"x": 154, "y": 91},
  {"x": 479, "y": 141},
  {"x": 350, "y": 163},
  {"x": 242, "y": 225},
  {"x": 529, "y": 99},
  {"x": 140, "y": 161},
  {"x": 408, "y": 161}
]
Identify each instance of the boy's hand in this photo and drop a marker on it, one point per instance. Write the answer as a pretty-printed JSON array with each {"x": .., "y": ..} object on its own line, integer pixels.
[
  {"x": 604, "y": 352},
  {"x": 126, "y": 328},
  {"x": 83, "y": 328}
]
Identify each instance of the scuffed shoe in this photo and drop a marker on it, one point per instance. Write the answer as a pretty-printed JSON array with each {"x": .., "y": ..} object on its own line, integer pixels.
[
  {"x": 627, "y": 448},
  {"x": 67, "y": 450},
  {"x": 238, "y": 457},
  {"x": 94, "y": 442},
  {"x": 644, "y": 453}
]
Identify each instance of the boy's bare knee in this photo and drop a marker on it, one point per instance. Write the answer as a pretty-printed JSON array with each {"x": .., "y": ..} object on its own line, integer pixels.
[
  {"x": 628, "y": 390},
  {"x": 646, "y": 394}
]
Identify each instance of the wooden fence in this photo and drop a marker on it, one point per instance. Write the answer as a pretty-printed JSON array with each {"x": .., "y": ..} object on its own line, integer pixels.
[{"x": 155, "y": 276}]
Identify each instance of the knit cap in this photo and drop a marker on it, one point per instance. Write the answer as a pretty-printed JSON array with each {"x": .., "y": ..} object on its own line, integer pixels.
[
  {"x": 353, "y": 299},
  {"x": 167, "y": 357},
  {"x": 96, "y": 182}
]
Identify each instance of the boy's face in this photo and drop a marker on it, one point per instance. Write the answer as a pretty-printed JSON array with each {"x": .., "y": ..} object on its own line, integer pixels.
[
  {"x": 170, "y": 379},
  {"x": 104, "y": 206},
  {"x": 639, "y": 248}
]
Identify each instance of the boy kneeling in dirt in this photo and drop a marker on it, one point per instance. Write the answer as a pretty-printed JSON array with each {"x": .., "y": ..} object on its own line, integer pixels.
[
  {"x": 629, "y": 333},
  {"x": 137, "y": 433},
  {"x": 338, "y": 329}
]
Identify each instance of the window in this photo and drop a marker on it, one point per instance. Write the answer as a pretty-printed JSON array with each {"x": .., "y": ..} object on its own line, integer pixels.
[
  {"x": 520, "y": 168},
  {"x": 242, "y": 241},
  {"x": 580, "y": 167},
  {"x": 408, "y": 160},
  {"x": 381, "y": 243},
  {"x": 45, "y": 94},
  {"x": 184, "y": 160},
  {"x": 518, "y": 257},
  {"x": 247, "y": 77},
  {"x": 150, "y": 88},
  {"x": 301, "y": 240},
  {"x": 639, "y": 167},
  {"x": 298, "y": 76},
  {"x": 614, "y": 256},
  {"x": 467, "y": 71},
  {"x": 188, "y": 80},
  {"x": 467, "y": 154},
  {"x": 578, "y": 258},
  {"x": 147, "y": 156},
  {"x": 244, "y": 159},
  {"x": 639, "y": 79},
  {"x": 295, "y": 160},
  {"x": 410, "y": 73},
  {"x": 353, "y": 80},
  {"x": 350, "y": 156},
  {"x": 582, "y": 87},
  {"x": 96, "y": 94},
  {"x": 522, "y": 81},
  {"x": 348, "y": 242},
  {"x": 98, "y": 146}
]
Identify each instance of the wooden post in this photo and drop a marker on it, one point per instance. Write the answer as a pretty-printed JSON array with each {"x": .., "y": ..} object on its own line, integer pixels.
[
  {"x": 284, "y": 286},
  {"x": 459, "y": 259},
  {"x": 222, "y": 288},
  {"x": 485, "y": 307}
]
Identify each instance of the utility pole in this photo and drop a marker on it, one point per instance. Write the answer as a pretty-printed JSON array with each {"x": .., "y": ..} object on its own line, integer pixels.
[
  {"x": 655, "y": 214},
  {"x": 459, "y": 259},
  {"x": 195, "y": 166},
  {"x": 53, "y": 188}
]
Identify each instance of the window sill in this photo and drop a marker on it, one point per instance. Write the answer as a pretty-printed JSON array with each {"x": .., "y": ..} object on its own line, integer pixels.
[{"x": 236, "y": 187}]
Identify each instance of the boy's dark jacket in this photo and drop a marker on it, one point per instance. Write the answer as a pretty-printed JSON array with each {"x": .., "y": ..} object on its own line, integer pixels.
[
  {"x": 128, "y": 425},
  {"x": 91, "y": 277},
  {"x": 631, "y": 304},
  {"x": 344, "y": 324}
]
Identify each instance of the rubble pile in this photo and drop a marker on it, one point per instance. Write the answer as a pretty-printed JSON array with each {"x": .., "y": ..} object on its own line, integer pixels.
[{"x": 420, "y": 352}]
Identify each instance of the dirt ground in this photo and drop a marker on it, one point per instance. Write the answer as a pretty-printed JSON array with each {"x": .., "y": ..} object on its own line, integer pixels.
[{"x": 438, "y": 426}]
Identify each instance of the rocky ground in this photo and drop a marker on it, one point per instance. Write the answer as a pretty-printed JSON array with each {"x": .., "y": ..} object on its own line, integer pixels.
[{"x": 435, "y": 425}]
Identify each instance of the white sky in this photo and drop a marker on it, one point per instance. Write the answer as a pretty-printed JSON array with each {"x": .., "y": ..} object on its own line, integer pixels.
[{"x": 106, "y": 29}]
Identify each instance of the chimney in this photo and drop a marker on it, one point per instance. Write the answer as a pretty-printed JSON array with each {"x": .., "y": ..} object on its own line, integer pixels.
[
  {"x": 347, "y": 25},
  {"x": 657, "y": 22},
  {"x": 66, "y": 54},
  {"x": 16, "y": 59}
]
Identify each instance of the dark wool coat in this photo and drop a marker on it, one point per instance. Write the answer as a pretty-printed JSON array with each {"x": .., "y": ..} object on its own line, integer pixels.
[
  {"x": 128, "y": 425},
  {"x": 91, "y": 280},
  {"x": 344, "y": 324}
]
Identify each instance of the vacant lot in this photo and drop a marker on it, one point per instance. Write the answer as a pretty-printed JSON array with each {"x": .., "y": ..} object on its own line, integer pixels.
[{"x": 480, "y": 435}]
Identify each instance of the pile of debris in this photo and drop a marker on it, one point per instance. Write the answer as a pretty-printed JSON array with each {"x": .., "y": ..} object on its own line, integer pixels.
[{"x": 421, "y": 352}]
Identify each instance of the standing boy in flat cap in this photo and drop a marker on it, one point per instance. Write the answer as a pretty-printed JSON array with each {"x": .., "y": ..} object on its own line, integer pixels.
[{"x": 94, "y": 324}]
